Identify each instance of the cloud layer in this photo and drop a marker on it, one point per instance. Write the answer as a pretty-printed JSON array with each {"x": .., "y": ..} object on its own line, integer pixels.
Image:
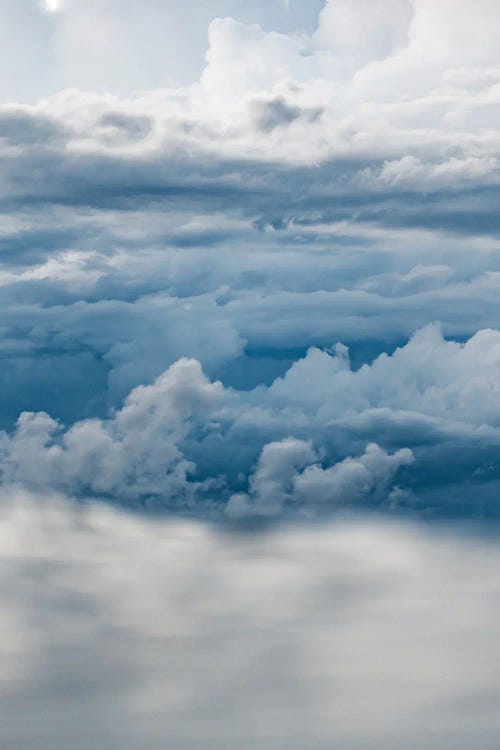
[
  {"x": 171, "y": 634},
  {"x": 417, "y": 430},
  {"x": 327, "y": 177},
  {"x": 249, "y": 282}
]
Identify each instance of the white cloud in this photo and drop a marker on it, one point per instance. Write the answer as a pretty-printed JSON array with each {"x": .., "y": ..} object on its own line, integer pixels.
[
  {"x": 187, "y": 443},
  {"x": 352, "y": 635},
  {"x": 121, "y": 45},
  {"x": 289, "y": 474},
  {"x": 358, "y": 31},
  {"x": 429, "y": 375},
  {"x": 351, "y": 479},
  {"x": 459, "y": 30},
  {"x": 135, "y": 455},
  {"x": 271, "y": 486}
]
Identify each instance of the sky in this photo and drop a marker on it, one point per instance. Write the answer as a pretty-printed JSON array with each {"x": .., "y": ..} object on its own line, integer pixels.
[
  {"x": 246, "y": 240},
  {"x": 249, "y": 305}
]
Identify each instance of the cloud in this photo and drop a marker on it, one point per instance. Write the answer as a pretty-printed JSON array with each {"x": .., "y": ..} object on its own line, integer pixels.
[
  {"x": 312, "y": 182},
  {"x": 443, "y": 29},
  {"x": 249, "y": 274},
  {"x": 275, "y": 113},
  {"x": 289, "y": 473},
  {"x": 249, "y": 277},
  {"x": 119, "y": 45},
  {"x": 323, "y": 437},
  {"x": 137, "y": 455},
  {"x": 271, "y": 486},
  {"x": 21, "y": 128},
  {"x": 176, "y": 633},
  {"x": 429, "y": 375},
  {"x": 361, "y": 31},
  {"x": 132, "y": 456}
]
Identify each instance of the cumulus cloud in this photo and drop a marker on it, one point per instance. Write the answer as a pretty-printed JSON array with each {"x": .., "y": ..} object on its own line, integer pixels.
[
  {"x": 121, "y": 45},
  {"x": 271, "y": 486},
  {"x": 428, "y": 375},
  {"x": 134, "y": 455},
  {"x": 137, "y": 455},
  {"x": 323, "y": 437},
  {"x": 289, "y": 473},
  {"x": 177, "y": 634},
  {"x": 319, "y": 175}
]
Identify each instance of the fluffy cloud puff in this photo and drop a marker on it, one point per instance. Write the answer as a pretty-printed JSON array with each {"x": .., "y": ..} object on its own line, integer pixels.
[
  {"x": 187, "y": 444},
  {"x": 355, "y": 634},
  {"x": 288, "y": 473},
  {"x": 137, "y": 455},
  {"x": 382, "y": 78},
  {"x": 134, "y": 455}
]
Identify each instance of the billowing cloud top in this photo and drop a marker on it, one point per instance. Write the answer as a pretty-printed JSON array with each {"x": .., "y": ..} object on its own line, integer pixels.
[{"x": 249, "y": 254}]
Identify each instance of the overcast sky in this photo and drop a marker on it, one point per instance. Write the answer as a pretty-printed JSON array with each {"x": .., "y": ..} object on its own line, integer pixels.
[
  {"x": 249, "y": 374},
  {"x": 274, "y": 227}
]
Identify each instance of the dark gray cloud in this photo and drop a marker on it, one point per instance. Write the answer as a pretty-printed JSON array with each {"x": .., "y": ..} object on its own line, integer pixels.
[
  {"x": 274, "y": 113},
  {"x": 122, "y": 129},
  {"x": 19, "y": 127}
]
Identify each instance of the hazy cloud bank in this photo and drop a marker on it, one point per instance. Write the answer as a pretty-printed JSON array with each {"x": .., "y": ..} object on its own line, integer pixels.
[{"x": 119, "y": 632}]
